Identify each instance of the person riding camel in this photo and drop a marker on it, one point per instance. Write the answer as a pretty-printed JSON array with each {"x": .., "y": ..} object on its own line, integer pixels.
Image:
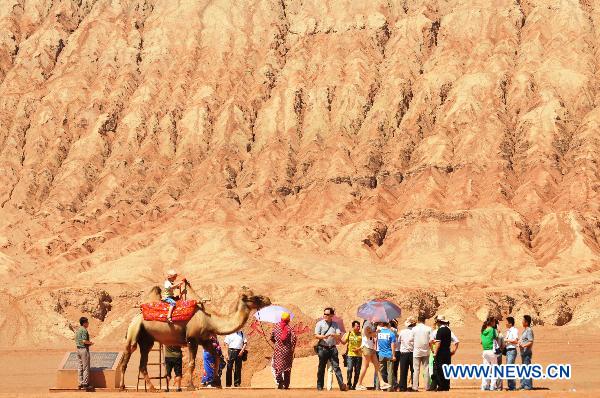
[{"x": 168, "y": 292}]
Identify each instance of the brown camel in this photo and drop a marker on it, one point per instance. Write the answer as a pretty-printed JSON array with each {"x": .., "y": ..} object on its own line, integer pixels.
[{"x": 196, "y": 331}]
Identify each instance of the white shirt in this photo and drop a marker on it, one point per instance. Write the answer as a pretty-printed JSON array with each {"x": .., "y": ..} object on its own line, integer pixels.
[
  {"x": 511, "y": 334},
  {"x": 366, "y": 341},
  {"x": 407, "y": 340},
  {"x": 168, "y": 289},
  {"x": 421, "y": 333},
  {"x": 235, "y": 340}
]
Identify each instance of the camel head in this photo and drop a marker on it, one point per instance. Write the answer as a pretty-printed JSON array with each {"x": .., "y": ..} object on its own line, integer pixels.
[{"x": 254, "y": 302}]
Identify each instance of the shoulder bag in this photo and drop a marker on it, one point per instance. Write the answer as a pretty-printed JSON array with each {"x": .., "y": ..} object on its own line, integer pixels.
[{"x": 316, "y": 346}]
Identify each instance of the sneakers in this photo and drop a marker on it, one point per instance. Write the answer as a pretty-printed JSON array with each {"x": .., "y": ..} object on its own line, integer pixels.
[
  {"x": 360, "y": 387},
  {"x": 384, "y": 386}
]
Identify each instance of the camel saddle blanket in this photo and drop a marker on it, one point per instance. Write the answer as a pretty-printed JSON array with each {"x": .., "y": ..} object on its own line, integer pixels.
[{"x": 158, "y": 310}]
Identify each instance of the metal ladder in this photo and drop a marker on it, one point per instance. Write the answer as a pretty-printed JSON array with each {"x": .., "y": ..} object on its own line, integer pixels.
[{"x": 160, "y": 364}]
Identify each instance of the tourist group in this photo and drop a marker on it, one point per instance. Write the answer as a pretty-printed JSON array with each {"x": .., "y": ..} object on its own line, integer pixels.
[{"x": 395, "y": 353}]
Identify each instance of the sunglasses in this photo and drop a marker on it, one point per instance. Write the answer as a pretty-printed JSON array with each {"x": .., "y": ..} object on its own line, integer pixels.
[{"x": 327, "y": 314}]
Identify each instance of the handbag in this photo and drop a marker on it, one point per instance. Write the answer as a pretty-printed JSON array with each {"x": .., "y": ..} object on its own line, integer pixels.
[
  {"x": 499, "y": 346},
  {"x": 316, "y": 346},
  {"x": 244, "y": 356}
]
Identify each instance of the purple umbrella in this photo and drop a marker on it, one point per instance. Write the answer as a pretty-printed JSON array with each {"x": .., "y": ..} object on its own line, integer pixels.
[{"x": 379, "y": 310}]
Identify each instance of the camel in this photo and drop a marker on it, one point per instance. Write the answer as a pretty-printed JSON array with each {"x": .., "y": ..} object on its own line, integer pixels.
[{"x": 196, "y": 331}]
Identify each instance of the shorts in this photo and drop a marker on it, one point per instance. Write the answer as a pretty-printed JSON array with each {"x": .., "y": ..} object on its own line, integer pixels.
[
  {"x": 170, "y": 301},
  {"x": 367, "y": 351},
  {"x": 175, "y": 364}
]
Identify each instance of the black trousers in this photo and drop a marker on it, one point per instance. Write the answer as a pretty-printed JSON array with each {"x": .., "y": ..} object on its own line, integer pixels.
[
  {"x": 328, "y": 354},
  {"x": 354, "y": 364},
  {"x": 406, "y": 362},
  {"x": 439, "y": 361},
  {"x": 234, "y": 365},
  {"x": 395, "y": 376}
]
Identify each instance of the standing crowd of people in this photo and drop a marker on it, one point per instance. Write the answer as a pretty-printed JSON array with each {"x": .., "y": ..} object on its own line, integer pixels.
[
  {"x": 417, "y": 348},
  {"x": 495, "y": 345},
  {"x": 393, "y": 352}
]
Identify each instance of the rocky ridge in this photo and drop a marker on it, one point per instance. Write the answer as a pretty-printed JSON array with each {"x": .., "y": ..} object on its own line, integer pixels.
[{"x": 451, "y": 145}]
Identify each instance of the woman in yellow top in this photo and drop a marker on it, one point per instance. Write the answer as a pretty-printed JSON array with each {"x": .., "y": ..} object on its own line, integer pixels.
[{"x": 353, "y": 339}]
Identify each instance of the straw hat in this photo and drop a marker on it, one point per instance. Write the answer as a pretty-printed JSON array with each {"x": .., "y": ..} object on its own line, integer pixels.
[
  {"x": 171, "y": 272},
  {"x": 442, "y": 319},
  {"x": 410, "y": 321}
]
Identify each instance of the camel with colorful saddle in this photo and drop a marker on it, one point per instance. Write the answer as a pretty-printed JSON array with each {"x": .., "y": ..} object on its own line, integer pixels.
[{"x": 191, "y": 326}]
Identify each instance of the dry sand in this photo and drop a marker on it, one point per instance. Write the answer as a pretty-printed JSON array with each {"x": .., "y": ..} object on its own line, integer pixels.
[{"x": 31, "y": 373}]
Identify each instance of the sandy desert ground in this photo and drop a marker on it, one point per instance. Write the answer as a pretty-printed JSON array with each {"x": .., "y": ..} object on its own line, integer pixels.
[{"x": 580, "y": 348}]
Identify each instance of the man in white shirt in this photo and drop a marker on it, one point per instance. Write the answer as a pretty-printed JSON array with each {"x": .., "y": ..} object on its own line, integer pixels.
[
  {"x": 421, "y": 338},
  {"x": 406, "y": 346},
  {"x": 511, "y": 340},
  {"x": 236, "y": 345}
]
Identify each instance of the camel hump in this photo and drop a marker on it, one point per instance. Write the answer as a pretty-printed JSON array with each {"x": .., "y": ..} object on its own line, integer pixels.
[{"x": 154, "y": 294}]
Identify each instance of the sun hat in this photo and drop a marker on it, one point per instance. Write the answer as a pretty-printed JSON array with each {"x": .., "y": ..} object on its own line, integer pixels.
[
  {"x": 410, "y": 321},
  {"x": 171, "y": 272}
]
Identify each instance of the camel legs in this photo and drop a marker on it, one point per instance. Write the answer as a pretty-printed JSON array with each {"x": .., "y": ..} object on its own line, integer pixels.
[
  {"x": 133, "y": 331},
  {"x": 146, "y": 342},
  {"x": 126, "y": 357},
  {"x": 192, "y": 351}
]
